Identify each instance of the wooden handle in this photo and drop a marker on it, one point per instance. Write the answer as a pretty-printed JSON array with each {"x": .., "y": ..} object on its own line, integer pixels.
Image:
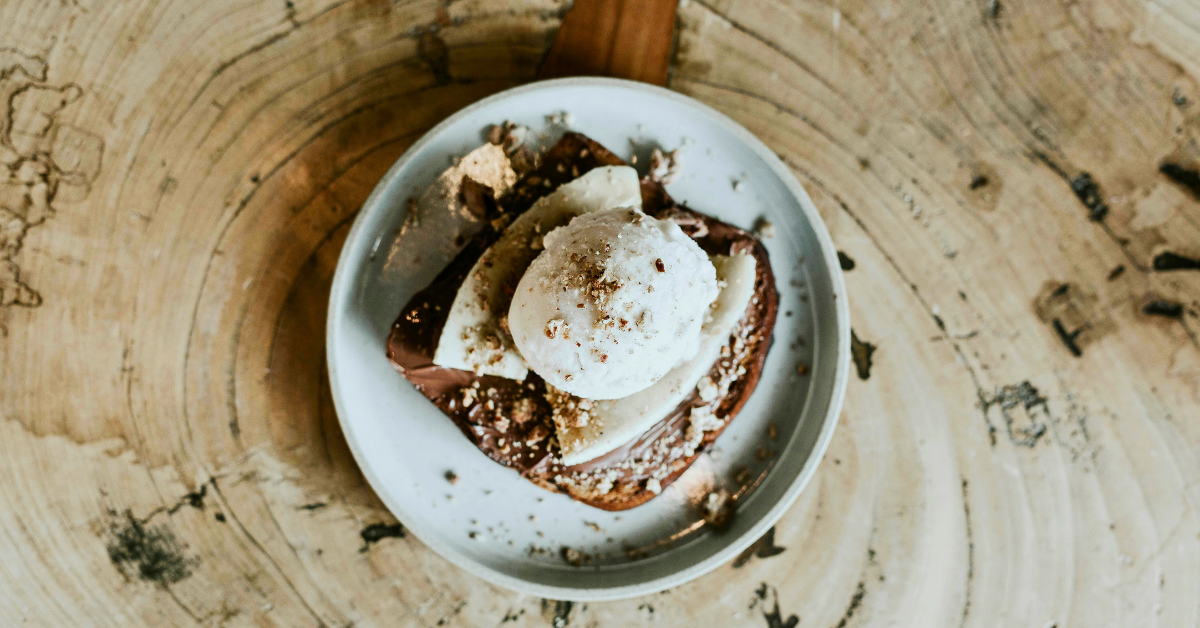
[{"x": 623, "y": 38}]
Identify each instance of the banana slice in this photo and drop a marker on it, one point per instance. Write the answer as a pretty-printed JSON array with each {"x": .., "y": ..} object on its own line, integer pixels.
[
  {"x": 475, "y": 337},
  {"x": 615, "y": 422},
  {"x": 427, "y": 240}
]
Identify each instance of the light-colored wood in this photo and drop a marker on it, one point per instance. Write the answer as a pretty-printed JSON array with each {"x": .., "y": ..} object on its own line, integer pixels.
[{"x": 181, "y": 175}]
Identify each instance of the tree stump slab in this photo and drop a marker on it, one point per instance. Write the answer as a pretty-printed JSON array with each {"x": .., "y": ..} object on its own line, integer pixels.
[{"x": 1013, "y": 185}]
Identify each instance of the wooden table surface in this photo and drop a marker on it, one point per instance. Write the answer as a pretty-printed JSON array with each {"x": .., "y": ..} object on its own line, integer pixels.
[{"x": 1013, "y": 183}]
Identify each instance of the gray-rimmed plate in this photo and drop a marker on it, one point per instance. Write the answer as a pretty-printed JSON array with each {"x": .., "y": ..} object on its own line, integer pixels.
[{"x": 501, "y": 527}]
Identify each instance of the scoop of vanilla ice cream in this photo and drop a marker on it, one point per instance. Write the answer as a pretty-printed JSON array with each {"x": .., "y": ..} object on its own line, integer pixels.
[{"x": 613, "y": 303}]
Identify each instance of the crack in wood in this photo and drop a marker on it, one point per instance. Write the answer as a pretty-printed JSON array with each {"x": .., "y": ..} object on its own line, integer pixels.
[
  {"x": 377, "y": 532},
  {"x": 966, "y": 503},
  {"x": 1068, "y": 338},
  {"x": 1164, "y": 308},
  {"x": 293, "y": 26},
  {"x": 780, "y": 107},
  {"x": 1088, "y": 193},
  {"x": 1187, "y": 178},
  {"x": 958, "y": 350},
  {"x": 856, "y": 600},
  {"x": 195, "y": 499},
  {"x": 289, "y": 11},
  {"x": 511, "y": 615},
  {"x": 234, "y": 426},
  {"x": 237, "y": 522},
  {"x": 32, "y": 144},
  {"x": 861, "y": 353},
  {"x": 774, "y": 46},
  {"x": 764, "y": 547},
  {"x": 1168, "y": 261},
  {"x": 773, "y": 616},
  {"x": 1085, "y": 189},
  {"x": 11, "y": 60}
]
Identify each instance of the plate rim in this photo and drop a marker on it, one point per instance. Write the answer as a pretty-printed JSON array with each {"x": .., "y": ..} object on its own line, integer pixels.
[{"x": 338, "y": 294}]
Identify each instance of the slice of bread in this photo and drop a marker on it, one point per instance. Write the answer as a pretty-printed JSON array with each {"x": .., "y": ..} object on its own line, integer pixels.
[{"x": 510, "y": 421}]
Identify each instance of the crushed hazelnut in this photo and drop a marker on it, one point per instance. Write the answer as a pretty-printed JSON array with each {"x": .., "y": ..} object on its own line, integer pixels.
[
  {"x": 718, "y": 508},
  {"x": 495, "y": 134},
  {"x": 412, "y": 213},
  {"x": 522, "y": 410},
  {"x": 554, "y": 327},
  {"x": 764, "y": 228},
  {"x": 664, "y": 167},
  {"x": 743, "y": 476},
  {"x": 573, "y": 556}
]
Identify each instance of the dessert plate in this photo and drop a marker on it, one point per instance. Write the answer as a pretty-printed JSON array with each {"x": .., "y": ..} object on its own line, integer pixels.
[{"x": 503, "y": 528}]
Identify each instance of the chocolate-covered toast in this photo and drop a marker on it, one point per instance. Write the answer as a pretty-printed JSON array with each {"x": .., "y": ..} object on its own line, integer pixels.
[{"x": 513, "y": 422}]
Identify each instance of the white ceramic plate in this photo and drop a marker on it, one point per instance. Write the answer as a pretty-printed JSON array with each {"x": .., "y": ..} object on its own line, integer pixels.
[{"x": 405, "y": 445}]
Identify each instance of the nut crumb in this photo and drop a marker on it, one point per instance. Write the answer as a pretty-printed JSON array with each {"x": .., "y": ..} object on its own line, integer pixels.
[
  {"x": 522, "y": 410},
  {"x": 665, "y": 167},
  {"x": 772, "y": 431},
  {"x": 452, "y": 477},
  {"x": 764, "y": 228},
  {"x": 561, "y": 118},
  {"x": 658, "y": 264},
  {"x": 743, "y": 476},
  {"x": 802, "y": 369},
  {"x": 573, "y": 556},
  {"x": 412, "y": 212},
  {"x": 718, "y": 508},
  {"x": 555, "y": 327}
]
